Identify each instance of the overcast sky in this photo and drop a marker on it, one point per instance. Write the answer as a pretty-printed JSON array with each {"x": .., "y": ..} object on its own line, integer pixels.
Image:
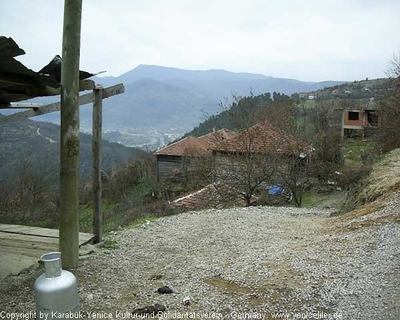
[{"x": 305, "y": 40}]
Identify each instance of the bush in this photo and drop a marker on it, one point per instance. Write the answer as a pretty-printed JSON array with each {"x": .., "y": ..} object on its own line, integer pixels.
[{"x": 351, "y": 176}]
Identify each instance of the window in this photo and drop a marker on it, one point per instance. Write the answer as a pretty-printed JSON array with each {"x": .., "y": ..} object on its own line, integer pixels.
[
  {"x": 354, "y": 116},
  {"x": 372, "y": 118}
]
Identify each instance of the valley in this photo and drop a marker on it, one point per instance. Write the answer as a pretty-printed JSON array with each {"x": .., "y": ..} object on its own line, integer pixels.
[
  {"x": 162, "y": 102},
  {"x": 148, "y": 139}
]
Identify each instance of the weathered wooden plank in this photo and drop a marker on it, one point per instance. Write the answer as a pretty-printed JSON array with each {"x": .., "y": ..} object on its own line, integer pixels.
[
  {"x": 19, "y": 246},
  {"x": 96, "y": 150},
  {"x": 28, "y": 230},
  {"x": 83, "y": 85},
  {"x": 40, "y": 232},
  {"x": 14, "y": 239},
  {"x": 12, "y": 227},
  {"x": 29, "y": 252},
  {"x": 20, "y": 105},
  {"x": 39, "y": 91},
  {"x": 31, "y": 246},
  {"x": 83, "y": 99},
  {"x": 85, "y": 238}
]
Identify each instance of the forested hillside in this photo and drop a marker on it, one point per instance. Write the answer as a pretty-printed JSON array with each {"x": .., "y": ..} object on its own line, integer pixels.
[{"x": 38, "y": 143}]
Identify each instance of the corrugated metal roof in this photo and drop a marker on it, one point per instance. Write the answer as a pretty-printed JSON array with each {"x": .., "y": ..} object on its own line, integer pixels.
[{"x": 17, "y": 82}]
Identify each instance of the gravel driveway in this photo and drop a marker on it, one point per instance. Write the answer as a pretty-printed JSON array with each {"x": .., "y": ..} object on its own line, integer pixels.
[{"x": 243, "y": 263}]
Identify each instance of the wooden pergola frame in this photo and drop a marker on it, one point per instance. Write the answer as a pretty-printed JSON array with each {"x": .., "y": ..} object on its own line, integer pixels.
[{"x": 96, "y": 98}]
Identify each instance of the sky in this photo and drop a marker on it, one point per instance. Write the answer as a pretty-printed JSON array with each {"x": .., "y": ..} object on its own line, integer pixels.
[{"x": 308, "y": 40}]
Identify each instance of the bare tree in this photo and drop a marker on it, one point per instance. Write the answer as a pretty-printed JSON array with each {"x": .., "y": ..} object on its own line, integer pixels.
[
  {"x": 269, "y": 152},
  {"x": 30, "y": 191},
  {"x": 244, "y": 163},
  {"x": 387, "y": 137},
  {"x": 282, "y": 148}
]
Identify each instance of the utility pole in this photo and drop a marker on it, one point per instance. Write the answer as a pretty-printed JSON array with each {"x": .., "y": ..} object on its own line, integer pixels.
[{"x": 69, "y": 142}]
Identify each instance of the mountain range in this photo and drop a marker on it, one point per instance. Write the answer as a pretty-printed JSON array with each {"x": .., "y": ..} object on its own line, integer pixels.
[
  {"x": 162, "y": 98},
  {"x": 162, "y": 103}
]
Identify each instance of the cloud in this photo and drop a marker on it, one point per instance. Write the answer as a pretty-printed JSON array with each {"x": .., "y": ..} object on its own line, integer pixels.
[{"x": 313, "y": 40}]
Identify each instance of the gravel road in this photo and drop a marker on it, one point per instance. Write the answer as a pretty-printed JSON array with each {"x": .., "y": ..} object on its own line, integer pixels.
[{"x": 243, "y": 263}]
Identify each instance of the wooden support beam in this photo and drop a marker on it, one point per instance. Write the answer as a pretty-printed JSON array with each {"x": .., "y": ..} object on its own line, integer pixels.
[
  {"x": 83, "y": 99},
  {"x": 49, "y": 91},
  {"x": 20, "y": 105},
  {"x": 96, "y": 151},
  {"x": 69, "y": 138}
]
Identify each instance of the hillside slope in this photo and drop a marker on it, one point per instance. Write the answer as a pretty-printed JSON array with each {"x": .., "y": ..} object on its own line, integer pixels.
[
  {"x": 379, "y": 188},
  {"x": 375, "y": 89},
  {"x": 268, "y": 262},
  {"x": 39, "y": 142},
  {"x": 149, "y": 103}
]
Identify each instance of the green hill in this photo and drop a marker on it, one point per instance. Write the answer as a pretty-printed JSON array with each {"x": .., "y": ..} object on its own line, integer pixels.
[
  {"x": 375, "y": 89},
  {"x": 365, "y": 92},
  {"x": 38, "y": 142}
]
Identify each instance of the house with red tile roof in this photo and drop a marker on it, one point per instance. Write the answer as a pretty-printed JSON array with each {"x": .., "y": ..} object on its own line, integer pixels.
[
  {"x": 253, "y": 157},
  {"x": 224, "y": 156},
  {"x": 179, "y": 159}
]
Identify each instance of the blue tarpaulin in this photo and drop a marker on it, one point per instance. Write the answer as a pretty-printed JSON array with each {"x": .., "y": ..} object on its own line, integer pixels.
[{"x": 275, "y": 190}]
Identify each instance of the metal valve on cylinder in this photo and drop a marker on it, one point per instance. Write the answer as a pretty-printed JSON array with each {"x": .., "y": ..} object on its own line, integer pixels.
[{"x": 56, "y": 291}]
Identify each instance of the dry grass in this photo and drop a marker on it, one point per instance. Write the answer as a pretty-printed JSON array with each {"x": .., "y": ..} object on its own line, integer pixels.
[
  {"x": 362, "y": 211},
  {"x": 382, "y": 185},
  {"x": 383, "y": 180}
]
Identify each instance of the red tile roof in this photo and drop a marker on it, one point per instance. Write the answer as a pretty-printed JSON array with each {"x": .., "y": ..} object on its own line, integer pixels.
[
  {"x": 212, "y": 139},
  {"x": 193, "y": 146},
  {"x": 187, "y": 146},
  {"x": 260, "y": 138}
]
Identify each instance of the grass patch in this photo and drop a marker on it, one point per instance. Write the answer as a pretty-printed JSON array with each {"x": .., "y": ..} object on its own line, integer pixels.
[
  {"x": 111, "y": 244},
  {"x": 141, "y": 221},
  {"x": 354, "y": 151},
  {"x": 306, "y": 104},
  {"x": 332, "y": 199},
  {"x": 85, "y": 218}
]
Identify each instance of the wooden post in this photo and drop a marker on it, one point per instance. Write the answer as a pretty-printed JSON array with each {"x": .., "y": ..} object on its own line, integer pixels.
[
  {"x": 69, "y": 142},
  {"x": 96, "y": 151}
]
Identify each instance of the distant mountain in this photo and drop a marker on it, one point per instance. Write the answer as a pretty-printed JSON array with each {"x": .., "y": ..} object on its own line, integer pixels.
[
  {"x": 163, "y": 97},
  {"x": 151, "y": 103},
  {"x": 160, "y": 98},
  {"x": 165, "y": 73},
  {"x": 218, "y": 84}
]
